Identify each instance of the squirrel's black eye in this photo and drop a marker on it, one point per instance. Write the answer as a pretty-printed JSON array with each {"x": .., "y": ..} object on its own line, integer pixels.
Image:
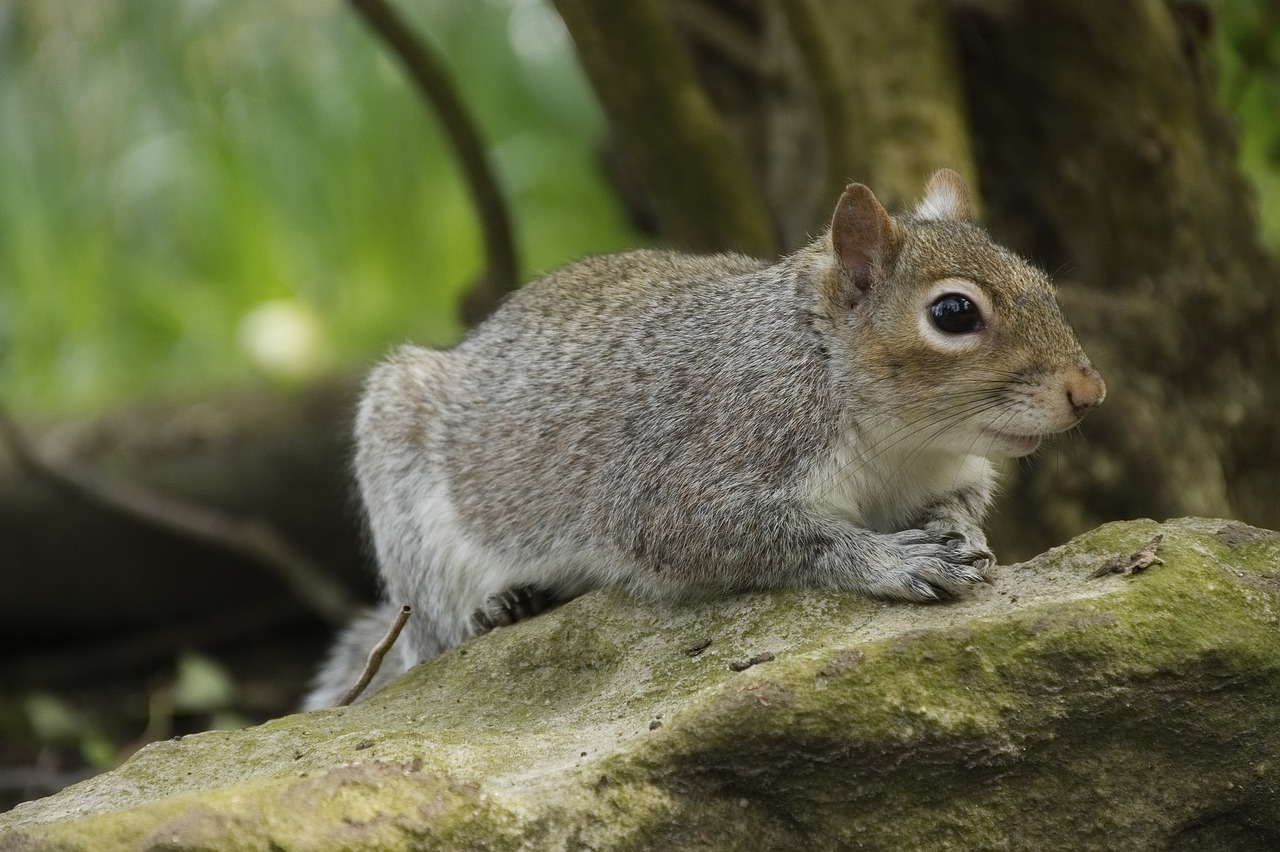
[{"x": 955, "y": 314}]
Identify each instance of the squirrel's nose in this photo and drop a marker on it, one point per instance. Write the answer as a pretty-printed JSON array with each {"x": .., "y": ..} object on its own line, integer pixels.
[{"x": 1085, "y": 390}]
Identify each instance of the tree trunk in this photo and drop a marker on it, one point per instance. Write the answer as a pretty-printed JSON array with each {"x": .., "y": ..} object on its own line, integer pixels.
[
  {"x": 702, "y": 192},
  {"x": 819, "y": 93},
  {"x": 1106, "y": 157}
]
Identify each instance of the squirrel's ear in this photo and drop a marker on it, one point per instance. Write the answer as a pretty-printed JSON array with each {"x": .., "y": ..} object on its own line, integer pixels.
[
  {"x": 946, "y": 196},
  {"x": 863, "y": 238}
]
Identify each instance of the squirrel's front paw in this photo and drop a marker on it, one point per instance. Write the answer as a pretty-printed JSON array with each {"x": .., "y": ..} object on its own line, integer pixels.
[
  {"x": 963, "y": 532},
  {"x": 928, "y": 565}
]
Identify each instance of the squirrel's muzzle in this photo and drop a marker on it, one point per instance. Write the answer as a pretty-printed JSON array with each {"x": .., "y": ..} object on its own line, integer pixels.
[{"x": 1085, "y": 390}]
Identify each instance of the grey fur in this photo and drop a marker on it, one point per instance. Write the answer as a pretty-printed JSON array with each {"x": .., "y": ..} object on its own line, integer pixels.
[{"x": 689, "y": 426}]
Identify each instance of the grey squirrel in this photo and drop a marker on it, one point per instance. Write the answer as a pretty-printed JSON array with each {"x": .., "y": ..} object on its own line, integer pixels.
[{"x": 689, "y": 426}]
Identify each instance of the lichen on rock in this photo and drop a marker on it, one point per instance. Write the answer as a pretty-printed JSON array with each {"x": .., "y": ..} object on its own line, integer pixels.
[{"x": 1053, "y": 710}]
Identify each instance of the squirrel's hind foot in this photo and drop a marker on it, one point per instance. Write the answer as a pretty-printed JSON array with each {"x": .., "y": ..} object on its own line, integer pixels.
[{"x": 512, "y": 605}]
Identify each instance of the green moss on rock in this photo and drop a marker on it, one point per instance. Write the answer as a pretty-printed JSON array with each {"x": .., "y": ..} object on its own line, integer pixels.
[{"x": 1054, "y": 709}]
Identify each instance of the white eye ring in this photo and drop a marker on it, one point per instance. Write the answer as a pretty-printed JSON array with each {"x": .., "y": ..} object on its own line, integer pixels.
[{"x": 954, "y": 341}]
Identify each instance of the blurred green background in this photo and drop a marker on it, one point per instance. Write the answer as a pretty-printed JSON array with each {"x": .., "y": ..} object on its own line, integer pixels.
[{"x": 199, "y": 193}]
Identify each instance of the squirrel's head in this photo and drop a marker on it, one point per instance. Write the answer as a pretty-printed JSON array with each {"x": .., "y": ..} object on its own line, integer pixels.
[{"x": 964, "y": 335}]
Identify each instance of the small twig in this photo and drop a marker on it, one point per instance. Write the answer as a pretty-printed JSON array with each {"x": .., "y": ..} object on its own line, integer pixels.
[
  {"x": 1139, "y": 560},
  {"x": 252, "y": 538},
  {"x": 374, "y": 660},
  {"x": 432, "y": 79}
]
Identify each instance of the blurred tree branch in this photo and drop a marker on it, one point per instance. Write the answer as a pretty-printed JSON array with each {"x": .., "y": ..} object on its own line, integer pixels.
[
  {"x": 250, "y": 537},
  {"x": 432, "y": 79}
]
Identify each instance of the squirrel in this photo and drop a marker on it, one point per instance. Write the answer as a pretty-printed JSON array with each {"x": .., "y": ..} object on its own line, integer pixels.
[{"x": 687, "y": 426}]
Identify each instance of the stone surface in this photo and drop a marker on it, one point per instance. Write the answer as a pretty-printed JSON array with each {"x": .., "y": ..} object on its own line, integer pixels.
[{"x": 1051, "y": 710}]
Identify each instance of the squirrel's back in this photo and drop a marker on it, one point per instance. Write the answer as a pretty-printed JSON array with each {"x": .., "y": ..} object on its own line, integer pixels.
[{"x": 613, "y": 398}]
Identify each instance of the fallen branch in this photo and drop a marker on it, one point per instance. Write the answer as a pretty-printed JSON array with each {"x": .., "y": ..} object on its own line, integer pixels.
[
  {"x": 432, "y": 80},
  {"x": 252, "y": 538},
  {"x": 374, "y": 660}
]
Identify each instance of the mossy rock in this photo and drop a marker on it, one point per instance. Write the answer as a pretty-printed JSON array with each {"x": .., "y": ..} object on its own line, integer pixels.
[{"x": 1053, "y": 710}]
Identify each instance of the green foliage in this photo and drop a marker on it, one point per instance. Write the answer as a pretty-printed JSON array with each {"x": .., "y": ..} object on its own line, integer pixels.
[
  {"x": 52, "y": 720},
  {"x": 193, "y": 193},
  {"x": 1248, "y": 43},
  {"x": 75, "y": 727},
  {"x": 202, "y": 685}
]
